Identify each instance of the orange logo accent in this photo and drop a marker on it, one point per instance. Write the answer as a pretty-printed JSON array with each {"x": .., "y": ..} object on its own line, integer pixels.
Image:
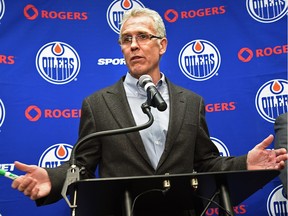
[
  {"x": 126, "y": 3},
  {"x": 58, "y": 49},
  {"x": 31, "y": 12},
  {"x": 276, "y": 87},
  {"x": 61, "y": 151},
  {"x": 245, "y": 55},
  {"x": 171, "y": 15},
  {"x": 30, "y": 110}
]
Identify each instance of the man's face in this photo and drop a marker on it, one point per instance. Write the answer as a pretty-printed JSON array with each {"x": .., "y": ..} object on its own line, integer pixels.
[{"x": 142, "y": 57}]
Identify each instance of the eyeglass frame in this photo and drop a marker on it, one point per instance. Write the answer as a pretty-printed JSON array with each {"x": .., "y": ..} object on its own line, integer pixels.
[{"x": 150, "y": 36}]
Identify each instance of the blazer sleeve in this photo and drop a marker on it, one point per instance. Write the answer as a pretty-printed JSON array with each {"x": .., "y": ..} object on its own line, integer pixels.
[
  {"x": 207, "y": 157},
  {"x": 281, "y": 141},
  {"x": 84, "y": 154}
]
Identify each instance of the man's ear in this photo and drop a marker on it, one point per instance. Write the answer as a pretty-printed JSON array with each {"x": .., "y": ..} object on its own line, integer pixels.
[{"x": 163, "y": 45}]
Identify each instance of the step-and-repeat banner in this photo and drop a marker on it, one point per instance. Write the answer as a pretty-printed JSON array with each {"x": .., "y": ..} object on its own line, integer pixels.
[{"x": 54, "y": 53}]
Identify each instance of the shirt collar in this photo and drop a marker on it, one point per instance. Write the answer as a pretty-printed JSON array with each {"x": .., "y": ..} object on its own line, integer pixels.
[{"x": 133, "y": 84}]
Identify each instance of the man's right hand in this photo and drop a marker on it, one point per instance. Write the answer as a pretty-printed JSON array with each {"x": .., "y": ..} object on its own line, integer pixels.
[{"x": 35, "y": 183}]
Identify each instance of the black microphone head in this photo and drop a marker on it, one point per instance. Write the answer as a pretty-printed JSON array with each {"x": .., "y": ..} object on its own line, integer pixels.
[
  {"x": 144, "y": 79},
  {"x": 162, "y": 106}
]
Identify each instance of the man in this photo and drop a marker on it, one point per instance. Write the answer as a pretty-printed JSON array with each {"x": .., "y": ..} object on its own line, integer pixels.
[
  {"x": 281, "y": 141},
  {"x": 177, "y": 142}
]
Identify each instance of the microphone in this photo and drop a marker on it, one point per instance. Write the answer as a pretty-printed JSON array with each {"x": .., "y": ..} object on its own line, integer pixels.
[{"x": 154, "y": 97}]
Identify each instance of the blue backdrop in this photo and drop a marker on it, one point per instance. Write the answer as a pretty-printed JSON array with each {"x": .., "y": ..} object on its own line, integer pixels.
[{"x": 54, "y": 53}]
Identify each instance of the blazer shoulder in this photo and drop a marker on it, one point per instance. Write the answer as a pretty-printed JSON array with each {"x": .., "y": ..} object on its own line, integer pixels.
[
  {"x": 114, "y": 88},
  {"x": 176, "y": 89},
  {"x": 281, "y": 119}
]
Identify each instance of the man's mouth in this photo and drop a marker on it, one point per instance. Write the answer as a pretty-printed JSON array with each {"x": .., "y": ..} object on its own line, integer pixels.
[{"x": 135, "y": 58}]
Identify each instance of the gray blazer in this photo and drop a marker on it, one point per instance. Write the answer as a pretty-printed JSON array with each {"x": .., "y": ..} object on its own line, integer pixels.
[
  {"x": 188, "y": 146},
  {"x": 281, "y": 141}
]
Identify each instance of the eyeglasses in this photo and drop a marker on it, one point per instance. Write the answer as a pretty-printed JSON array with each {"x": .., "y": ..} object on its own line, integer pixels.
[{"x": 141, "y": 38}]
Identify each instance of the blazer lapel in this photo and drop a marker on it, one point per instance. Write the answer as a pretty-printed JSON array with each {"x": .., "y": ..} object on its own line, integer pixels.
[
  {"x": 177, "y": 105},
  {"x": 117, "y": 102}
]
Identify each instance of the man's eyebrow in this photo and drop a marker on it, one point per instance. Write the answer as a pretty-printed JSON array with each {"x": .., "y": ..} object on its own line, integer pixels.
[{"x": 138, "y": 32}]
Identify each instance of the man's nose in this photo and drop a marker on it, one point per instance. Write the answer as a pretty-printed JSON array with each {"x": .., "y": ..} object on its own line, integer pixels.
[{"x": 134, "y": 42}]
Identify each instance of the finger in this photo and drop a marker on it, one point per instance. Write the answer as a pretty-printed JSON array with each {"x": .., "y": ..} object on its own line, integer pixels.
[
  {"x": 282, "y": 157},
  {"x": 34, "y": 193},
  {"x": 28, "y": 190},
  {"x": 15, "y": 184},
  {"x": 25, "y": 184},
  {"x": 280, "y": 151},
  {"x": 280, "y": 165},
  {"x": 23, "y": 167},
  {"x": 266, "y": 142}
]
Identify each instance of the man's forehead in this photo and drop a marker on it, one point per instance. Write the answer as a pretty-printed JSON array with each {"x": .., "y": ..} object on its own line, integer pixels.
[{"x": 137, "y": 25}]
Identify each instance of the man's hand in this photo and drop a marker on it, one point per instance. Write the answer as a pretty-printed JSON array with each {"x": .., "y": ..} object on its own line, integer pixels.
[
  {"x": 261, "y": 158},
  {"x": 35, "y": 183}
]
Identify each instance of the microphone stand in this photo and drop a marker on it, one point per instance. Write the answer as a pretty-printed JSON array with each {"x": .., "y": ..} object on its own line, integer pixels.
[{"x": 73, "y": 173}]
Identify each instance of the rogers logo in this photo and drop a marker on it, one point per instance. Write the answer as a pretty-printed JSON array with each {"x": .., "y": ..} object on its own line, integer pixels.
[
  {"x": 246, "y": 54},
  {"x": 4, "y": 59},
  {"x": 31, "y": 13},
  {"x": 239, "y": 210},
  {"x": 220, "y": 107},
  {"x": 171, "y": 15},
  {"x": 34, "y": 113}
]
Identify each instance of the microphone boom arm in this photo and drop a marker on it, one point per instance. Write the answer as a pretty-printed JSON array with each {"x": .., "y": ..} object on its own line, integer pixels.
[{"x": 73, "y": 173}]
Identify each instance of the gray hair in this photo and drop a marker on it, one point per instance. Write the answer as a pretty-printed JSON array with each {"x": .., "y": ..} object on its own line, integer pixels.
[{"x": 158, "y": 22}]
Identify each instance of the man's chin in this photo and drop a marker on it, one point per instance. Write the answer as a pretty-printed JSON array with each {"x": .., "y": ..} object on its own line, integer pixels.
[{"x": 137, "y": 73}]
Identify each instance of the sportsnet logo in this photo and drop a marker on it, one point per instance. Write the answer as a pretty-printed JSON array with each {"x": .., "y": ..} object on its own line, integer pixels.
[
  {"x": 55, "y": 155},
  {"x": 58, "y": 63},
  {"x": 266, "y": 11},
  {"x": 2, "y": 112},
  {"x": 116, "y": 10},
  {"x": 199, "y": 60},
  {"x": 272, "y": 99},
  {"x": 9, "y": 167}
]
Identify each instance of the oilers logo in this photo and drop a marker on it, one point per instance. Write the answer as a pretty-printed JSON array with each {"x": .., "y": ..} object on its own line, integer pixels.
[
  {"x": 199, "y": 60},
  {"x": 266, "y": 11},
  {"x": 277, "y": 204},
  {"x": 57, "y": 63},
  {"x": 116, "y": 10},
  {"x": 2, "y": 112},
  {"x": 272, "y": 99},
  {"x": 55, "y": 155},
  {"x": 222, "y": 148},
  {"x": 2, "y": 8}
]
